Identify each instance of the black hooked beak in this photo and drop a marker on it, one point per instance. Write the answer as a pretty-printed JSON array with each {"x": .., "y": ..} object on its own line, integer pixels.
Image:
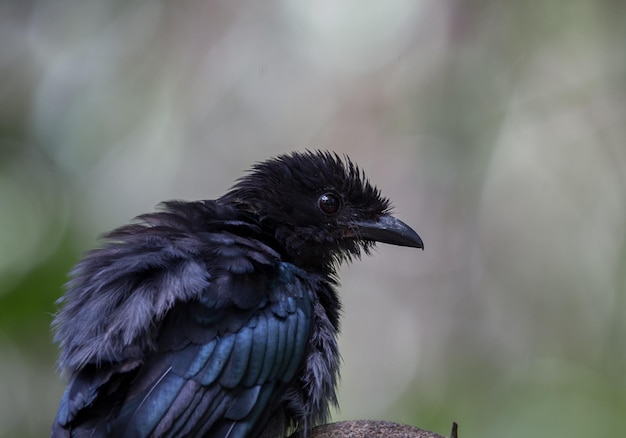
[{"x": 387, "y": 229}]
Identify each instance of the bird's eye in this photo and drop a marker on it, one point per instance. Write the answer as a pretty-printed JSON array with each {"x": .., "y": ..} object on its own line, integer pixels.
[{"x": 329, "y": 203}]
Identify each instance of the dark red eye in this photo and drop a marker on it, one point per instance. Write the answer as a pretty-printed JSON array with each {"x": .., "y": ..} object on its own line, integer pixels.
[{"x": 329, "y": 203}]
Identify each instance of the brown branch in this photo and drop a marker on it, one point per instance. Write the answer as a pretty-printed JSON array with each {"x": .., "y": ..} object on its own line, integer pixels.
[{"x": 373, "y": 429}]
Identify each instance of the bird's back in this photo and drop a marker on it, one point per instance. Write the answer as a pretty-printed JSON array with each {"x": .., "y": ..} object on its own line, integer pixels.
[{"x": 198, "y": 329}]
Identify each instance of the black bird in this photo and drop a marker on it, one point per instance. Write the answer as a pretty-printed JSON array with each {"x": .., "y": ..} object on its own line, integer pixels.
[{"x": 220, "y": 318}]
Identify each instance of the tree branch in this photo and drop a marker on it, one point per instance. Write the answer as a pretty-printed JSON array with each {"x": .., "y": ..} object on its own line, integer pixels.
[{"x": 373, "y": 429}]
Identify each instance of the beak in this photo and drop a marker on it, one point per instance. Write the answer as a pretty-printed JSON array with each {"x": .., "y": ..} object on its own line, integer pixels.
[{"x": 388, "y": 229}]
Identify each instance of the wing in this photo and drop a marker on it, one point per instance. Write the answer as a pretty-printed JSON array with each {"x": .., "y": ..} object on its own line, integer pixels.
[
  {"x": 191, "y": 334},
  {"x": 222, "y": 387}
]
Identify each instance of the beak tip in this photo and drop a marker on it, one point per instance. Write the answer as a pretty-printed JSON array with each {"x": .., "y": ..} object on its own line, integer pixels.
[{"x": 419, "y": 243}]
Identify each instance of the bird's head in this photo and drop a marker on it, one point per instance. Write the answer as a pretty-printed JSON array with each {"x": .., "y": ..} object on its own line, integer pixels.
[{"x": 320, "y": 207}]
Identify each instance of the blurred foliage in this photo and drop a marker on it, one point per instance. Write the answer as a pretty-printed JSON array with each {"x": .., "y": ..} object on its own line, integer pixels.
[{"x": 496, "y": 127}]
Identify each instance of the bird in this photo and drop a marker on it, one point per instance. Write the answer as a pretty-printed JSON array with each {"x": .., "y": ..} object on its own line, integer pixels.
[{"x": 220, "y": 318}]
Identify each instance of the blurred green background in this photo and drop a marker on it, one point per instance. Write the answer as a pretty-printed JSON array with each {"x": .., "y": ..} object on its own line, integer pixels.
[{"x": 497, "y": 128}]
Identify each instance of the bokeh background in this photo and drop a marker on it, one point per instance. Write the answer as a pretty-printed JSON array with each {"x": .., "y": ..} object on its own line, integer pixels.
[{"x": 497, "y": 128}]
